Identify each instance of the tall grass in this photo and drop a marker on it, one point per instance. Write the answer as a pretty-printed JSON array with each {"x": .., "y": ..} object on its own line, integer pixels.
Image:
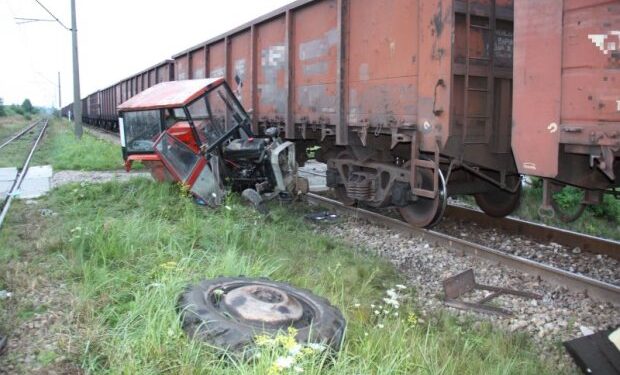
[
  {"x": 64, "y": 152},
  {"x": 128, "y": 250}
]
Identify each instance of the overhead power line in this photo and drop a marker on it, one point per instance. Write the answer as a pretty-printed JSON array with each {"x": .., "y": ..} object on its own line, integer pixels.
[
  {"x": 21, "y": 20},
  {"x": 51, "y": 14}
]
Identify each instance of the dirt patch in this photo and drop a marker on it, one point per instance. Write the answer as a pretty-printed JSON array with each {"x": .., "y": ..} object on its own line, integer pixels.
[{"x": 39, "y": 318}]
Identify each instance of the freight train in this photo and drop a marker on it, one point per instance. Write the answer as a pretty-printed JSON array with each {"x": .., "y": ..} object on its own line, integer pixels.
[{"x": 413, "y": 101}]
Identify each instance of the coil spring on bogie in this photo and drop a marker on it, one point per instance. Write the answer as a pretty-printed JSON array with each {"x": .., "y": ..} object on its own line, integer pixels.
[{"x": 362, "y": 186}]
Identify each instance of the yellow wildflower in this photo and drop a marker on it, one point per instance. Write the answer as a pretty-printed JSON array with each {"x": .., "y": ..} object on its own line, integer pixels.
[{"x": 169, "y": 265}]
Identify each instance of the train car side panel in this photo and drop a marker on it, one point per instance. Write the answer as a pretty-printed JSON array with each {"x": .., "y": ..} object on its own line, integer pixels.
[
  {"x": 239, "y": 67},
  {"x": 181, "y": 67},
  {"x": 382, "y": 63},
  {"x": 272, "y": 70},
  {"x": 198, "y": 64},
  {"x": 567, "y": 92},
  {"x": 314, "y": 42},
  {"x": 217, "y": 59}
]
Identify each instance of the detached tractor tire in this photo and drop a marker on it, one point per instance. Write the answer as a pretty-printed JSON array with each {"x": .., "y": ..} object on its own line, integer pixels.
[
  {"x": 229, "y": 312},
  {"x": 499, "y": 203}
]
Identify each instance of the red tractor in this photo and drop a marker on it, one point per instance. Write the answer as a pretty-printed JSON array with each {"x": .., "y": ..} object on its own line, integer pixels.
[{"x": 196, "y": 132}]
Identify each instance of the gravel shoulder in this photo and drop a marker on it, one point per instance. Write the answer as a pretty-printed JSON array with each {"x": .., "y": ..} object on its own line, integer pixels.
[
  {"x": 560, "y": 315},
  {"x": 573, "y": 259}
]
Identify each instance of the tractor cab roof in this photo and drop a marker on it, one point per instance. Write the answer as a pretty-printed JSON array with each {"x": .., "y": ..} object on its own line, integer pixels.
[{"x": 173, "y": 94}]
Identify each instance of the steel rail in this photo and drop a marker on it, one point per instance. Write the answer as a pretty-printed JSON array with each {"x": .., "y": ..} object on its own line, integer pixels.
[
  {"x": 22, "y": 174},
  {"x": 594, "y": 289},
  {"x": 539, "y": 232},
  {"x": 21, "y": 133}
]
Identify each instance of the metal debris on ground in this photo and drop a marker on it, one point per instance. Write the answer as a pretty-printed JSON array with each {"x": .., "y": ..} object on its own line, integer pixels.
[
  {"x": 465, "y": 283},
  {"x": 595, "y": 353},
  {"x": 322, "y": 217}
]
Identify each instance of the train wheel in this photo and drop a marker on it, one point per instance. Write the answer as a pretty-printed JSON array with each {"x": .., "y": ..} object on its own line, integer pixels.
[
  {"x": 568, "y": 204},
  {"x": 499, "y": 203},
  {"x": 340, "y": 190},
  {"x": 426, "y": 212}
]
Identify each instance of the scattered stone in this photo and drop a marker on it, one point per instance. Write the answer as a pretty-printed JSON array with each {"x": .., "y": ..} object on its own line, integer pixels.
[
  {"x": 46, "y": 212},
  {"x": 546, "y": 321},
  {"x": 586, "y": 331}
]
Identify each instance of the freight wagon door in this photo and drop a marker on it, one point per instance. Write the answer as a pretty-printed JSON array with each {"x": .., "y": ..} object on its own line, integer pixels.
[{"x": 191, "y": 168}]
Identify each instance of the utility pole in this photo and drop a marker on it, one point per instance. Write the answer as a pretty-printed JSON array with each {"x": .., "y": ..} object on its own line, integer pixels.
[
  {"x": 59, "y": 97},
  {"x": 77, "y": 102}
]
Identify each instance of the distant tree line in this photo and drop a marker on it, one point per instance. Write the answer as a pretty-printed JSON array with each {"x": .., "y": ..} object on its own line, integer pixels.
[{"x": 26, "y": 109}]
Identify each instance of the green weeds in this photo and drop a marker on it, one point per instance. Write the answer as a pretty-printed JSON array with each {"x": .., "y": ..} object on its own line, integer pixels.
[
  {"x": 64, "y": 152},
  {"x": 601, "y": 220},
  {"x": 129, "y": 249}
]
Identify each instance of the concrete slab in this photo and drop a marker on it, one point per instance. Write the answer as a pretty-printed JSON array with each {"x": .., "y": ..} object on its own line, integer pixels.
[
  {"x": 37, "y": 183},
  {"x": 7, "y": 177}
]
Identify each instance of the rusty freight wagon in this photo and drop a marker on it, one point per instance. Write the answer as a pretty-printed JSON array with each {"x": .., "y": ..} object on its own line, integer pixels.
[
  {"x": 567, "y": 95},
  {"x": 410, "y": 101},
  {"x": 100, "y": 109}
]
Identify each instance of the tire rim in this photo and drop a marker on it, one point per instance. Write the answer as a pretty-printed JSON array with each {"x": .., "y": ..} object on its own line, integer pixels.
[{"x": 262, "y": 304}]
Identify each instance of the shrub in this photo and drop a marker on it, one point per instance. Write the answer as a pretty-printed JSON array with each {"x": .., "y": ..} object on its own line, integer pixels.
[{"x": 27, "y": 106}]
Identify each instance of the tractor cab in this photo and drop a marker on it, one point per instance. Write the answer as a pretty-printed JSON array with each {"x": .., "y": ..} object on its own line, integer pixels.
[{"x": 196, "y": 132}]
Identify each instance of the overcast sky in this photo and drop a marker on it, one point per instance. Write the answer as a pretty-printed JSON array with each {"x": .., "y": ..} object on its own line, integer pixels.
[{"x": 116, "y": 39}]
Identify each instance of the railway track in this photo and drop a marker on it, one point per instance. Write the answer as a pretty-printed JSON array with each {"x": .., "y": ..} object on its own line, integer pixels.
[
  {"x": 540, "y": 232},
  {"x": 595, "y": 289},
  {"x": 20, "y": 134},
  {"x": 6, "y": 204}
]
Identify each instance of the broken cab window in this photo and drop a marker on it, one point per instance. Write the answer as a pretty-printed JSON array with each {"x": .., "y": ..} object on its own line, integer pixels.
[
  {"x": 141, "y": 130},
  {"x": 180, "y": 157}
]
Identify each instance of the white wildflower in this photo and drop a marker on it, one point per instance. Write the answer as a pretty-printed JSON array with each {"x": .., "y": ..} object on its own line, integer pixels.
[
  {"x": 392, "y": 294},
  {"x": 395, "y": 313},
  {"x": 377, "y": 312},
  {"x": 298, "y": 369},
  {"x": 392, "y": 302},
  {"x": 357, "y": 305},
  {"x": 380, "y": 325},
  {"x": 317, "y": 347},
  {"x": 296, "y": 349},
  {"x": 284, "y": 362}
]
